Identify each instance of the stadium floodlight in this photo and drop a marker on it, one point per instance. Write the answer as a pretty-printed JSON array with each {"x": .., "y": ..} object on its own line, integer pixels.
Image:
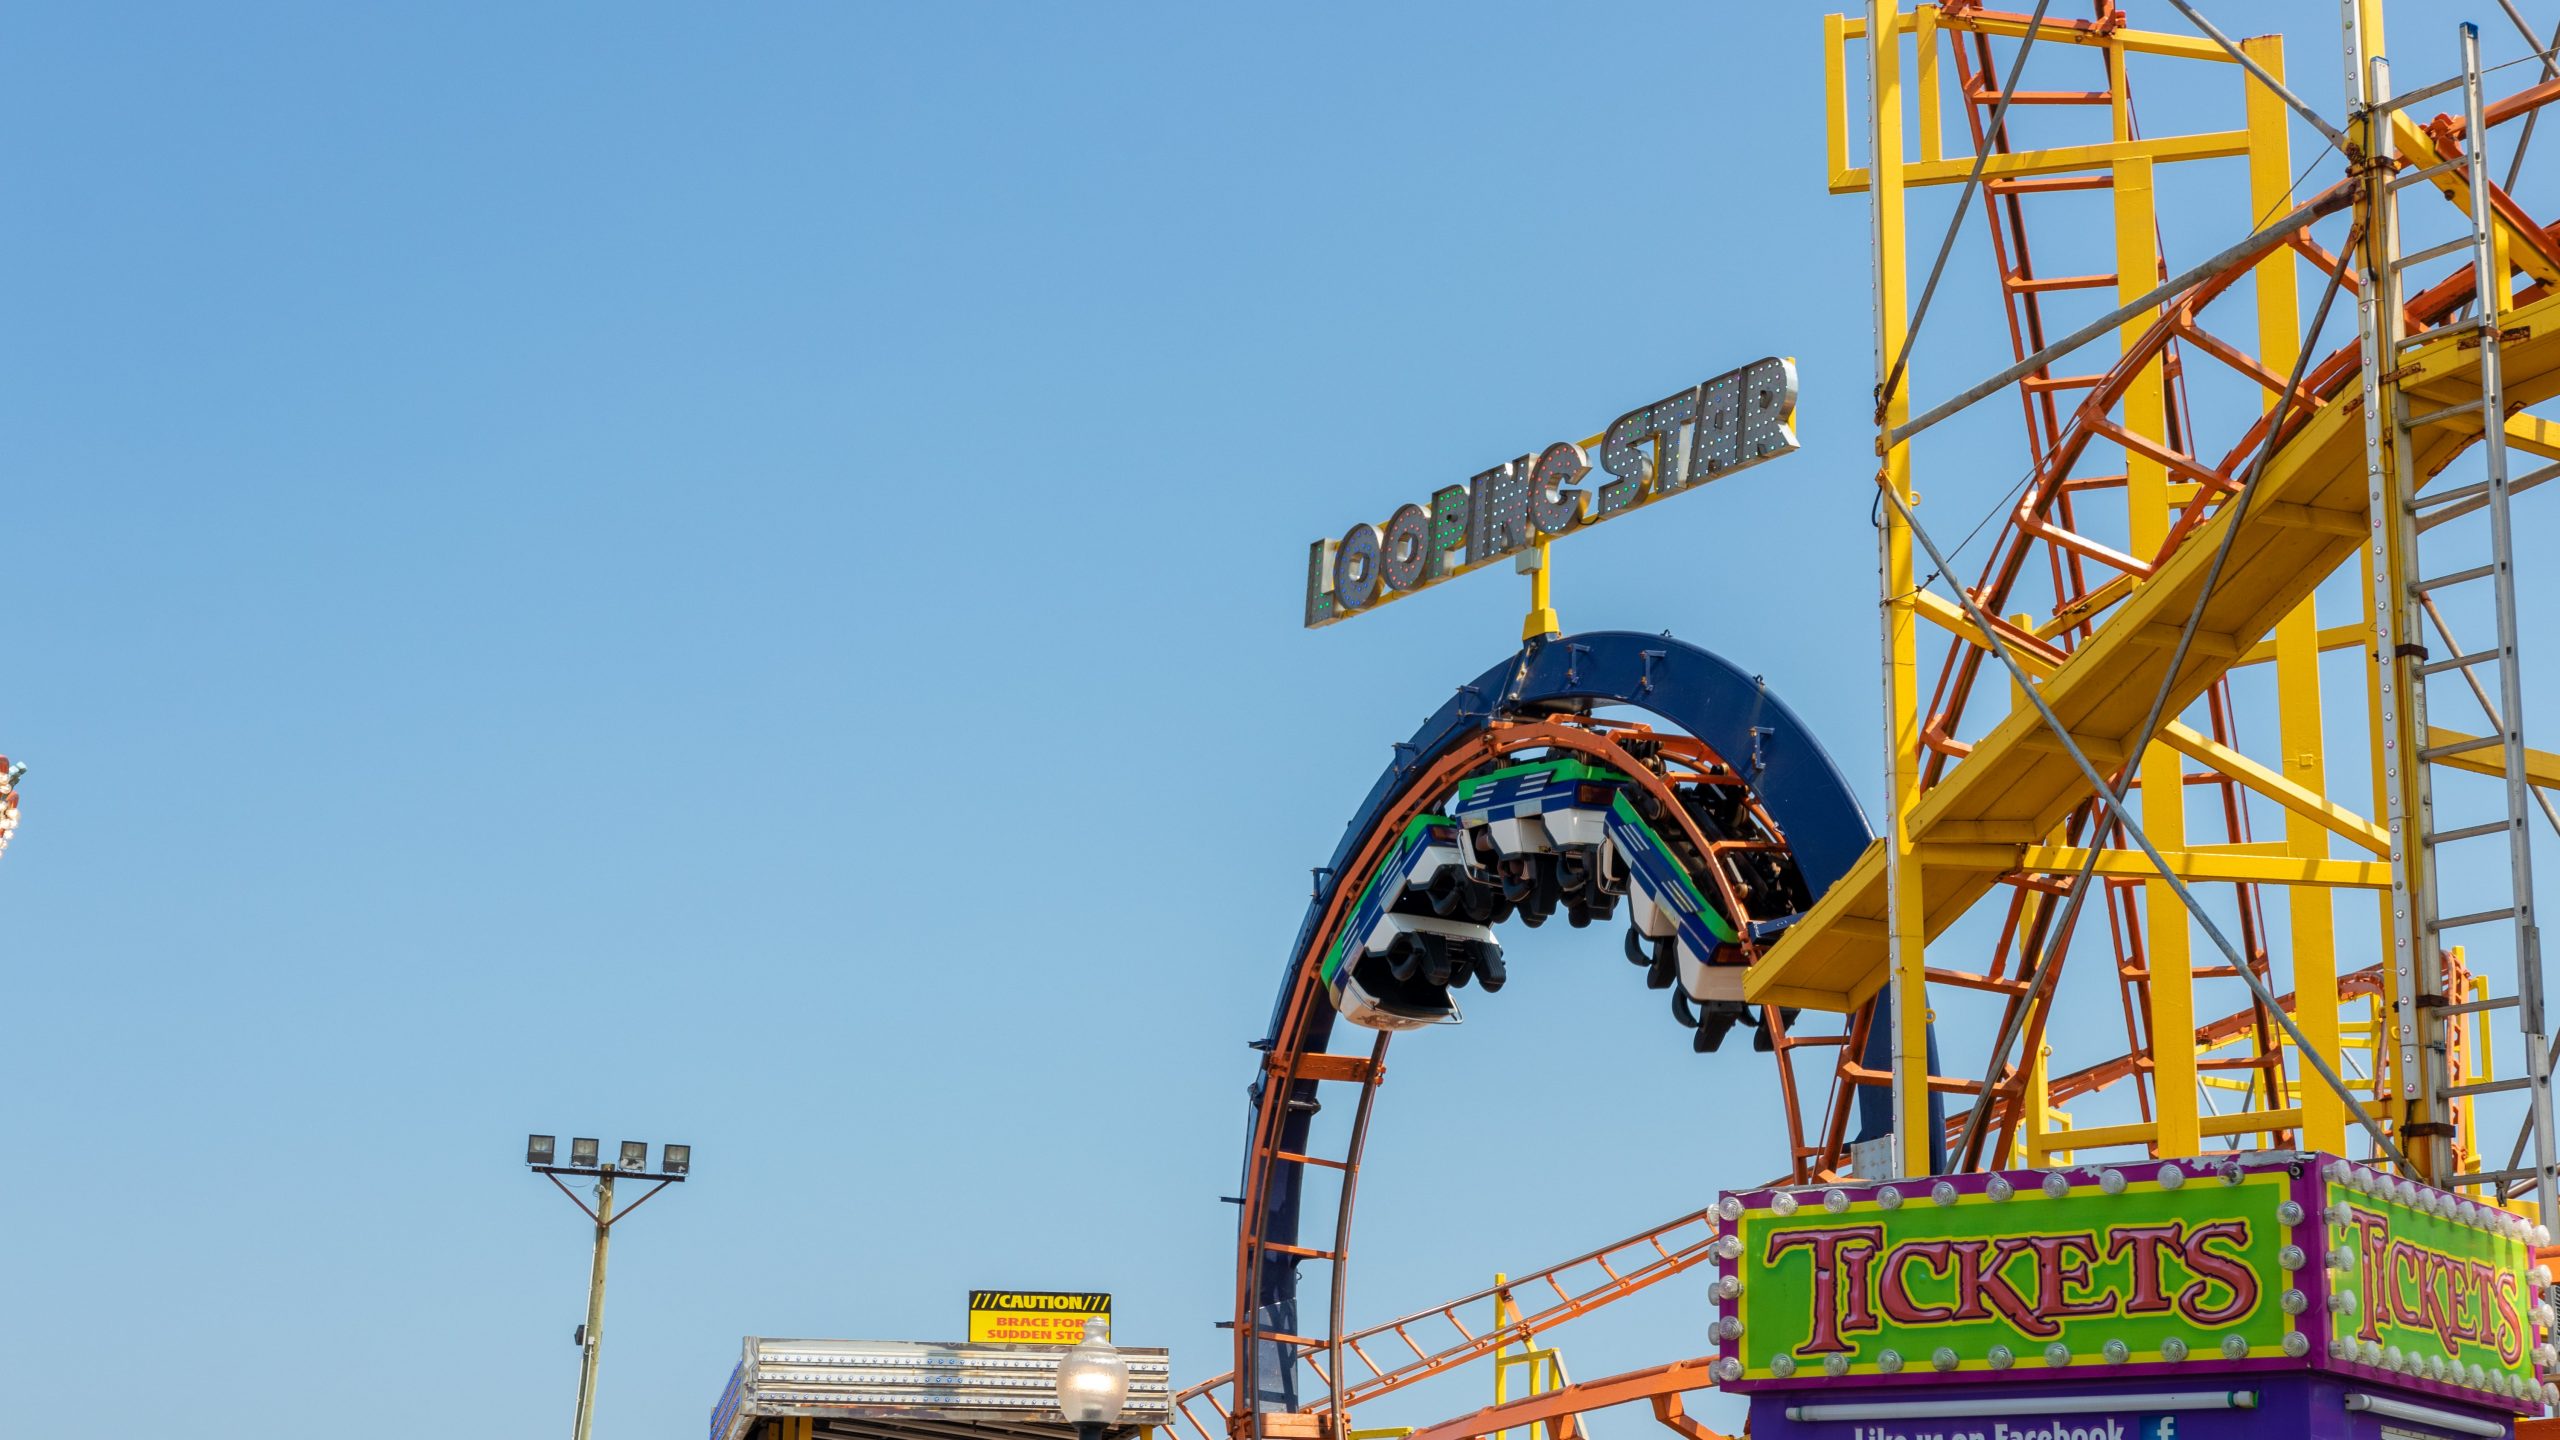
[
  {"x": 675, "y": 1159},
  {"x": 633, "y": 1165}
]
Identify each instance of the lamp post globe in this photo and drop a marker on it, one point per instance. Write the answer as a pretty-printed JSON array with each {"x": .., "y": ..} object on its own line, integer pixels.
[{"x": 1093, "y": 1383}]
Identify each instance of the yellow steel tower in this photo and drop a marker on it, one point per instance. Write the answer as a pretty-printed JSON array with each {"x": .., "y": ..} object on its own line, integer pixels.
[{"x": 2279, "y": 498}]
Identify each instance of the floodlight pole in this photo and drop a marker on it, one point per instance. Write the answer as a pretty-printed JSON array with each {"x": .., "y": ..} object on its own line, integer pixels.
[
  {"x": 595, "y": 1306},
  {"x": 602, "y": 1214}
]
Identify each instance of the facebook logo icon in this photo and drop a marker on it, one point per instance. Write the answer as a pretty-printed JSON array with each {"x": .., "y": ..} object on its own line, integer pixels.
[{"x": 2163, "y": 1427}]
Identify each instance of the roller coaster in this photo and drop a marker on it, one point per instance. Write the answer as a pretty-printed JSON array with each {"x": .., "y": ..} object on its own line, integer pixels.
[
  {"x": 1563, "y": 831},
  {"x": 2214, "y": 554}
]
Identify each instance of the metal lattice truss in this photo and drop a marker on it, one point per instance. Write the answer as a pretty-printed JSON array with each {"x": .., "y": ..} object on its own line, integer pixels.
[
  {"x": 2100, "y": 563},
  {"x": 2126, "y": 711}
]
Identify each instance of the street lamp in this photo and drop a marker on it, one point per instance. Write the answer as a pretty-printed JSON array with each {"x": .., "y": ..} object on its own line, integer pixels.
[
  {"x": 1093, "y": 1382},
  {"x": 584, "y": 1160}
]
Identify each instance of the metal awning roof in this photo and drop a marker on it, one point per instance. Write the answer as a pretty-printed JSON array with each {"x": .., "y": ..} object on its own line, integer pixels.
[{"x": 921, "y": 1390}]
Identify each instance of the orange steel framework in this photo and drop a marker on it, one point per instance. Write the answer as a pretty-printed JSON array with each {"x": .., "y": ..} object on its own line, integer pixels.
[{"x": 2104, "y": 579}]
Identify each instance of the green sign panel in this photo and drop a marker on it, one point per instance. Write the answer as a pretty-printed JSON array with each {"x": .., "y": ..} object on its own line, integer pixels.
[
  {"x": 2078, "y": 1269},
  {"x": 2264, "y": 1261},
  {"x": 2428, "y": 1280}
]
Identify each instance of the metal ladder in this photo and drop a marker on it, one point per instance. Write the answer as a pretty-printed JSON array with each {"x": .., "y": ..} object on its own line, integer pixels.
[{"x": 2413, "y": 754}]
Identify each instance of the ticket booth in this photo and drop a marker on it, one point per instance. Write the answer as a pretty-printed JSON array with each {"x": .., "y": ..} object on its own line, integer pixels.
[{"x": 2260, "y": 1295}]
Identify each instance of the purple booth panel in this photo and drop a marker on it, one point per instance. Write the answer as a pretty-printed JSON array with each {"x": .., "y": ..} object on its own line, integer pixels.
[{"x": 2257, "y": 1407}]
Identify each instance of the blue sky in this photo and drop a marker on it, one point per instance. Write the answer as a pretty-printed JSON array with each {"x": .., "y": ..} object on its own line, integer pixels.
[{"x": 733, "y": 577}]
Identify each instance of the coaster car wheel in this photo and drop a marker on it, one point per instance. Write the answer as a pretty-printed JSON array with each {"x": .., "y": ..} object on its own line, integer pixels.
[
  {"x": 1403, "y": 961},
  {"x": 1437, "y": 965},
  {"x": 1713, "y": 1026},
  {"x": 1544, "y": 892},
  {"x": 1574, "y": 869},
  {"x": 1448, "y": 892}
]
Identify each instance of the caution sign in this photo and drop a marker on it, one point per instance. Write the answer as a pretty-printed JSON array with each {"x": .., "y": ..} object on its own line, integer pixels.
[{"x": 1035, "y": 1317}]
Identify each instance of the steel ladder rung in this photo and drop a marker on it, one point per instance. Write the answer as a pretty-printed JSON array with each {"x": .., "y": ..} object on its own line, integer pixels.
[
  {"x": 2436, "y": 252},
  {"x": 2476, "y": 917},
  {"x": 2434, "y": 754},
  {"x": 2442, "y": 498},
  {"x": 2437, "y": 509},
  {"x": 2418, "y": 177},
  {"x": 2467, "y": 832},
  {"x": 2459, "y": 325},
  {"x": 2403, "y": 102},
  {"x": 2488, "y": 1087},
  {"x": 2532, "y": 477},
  {"x": 2438, "y": 582},
  {"x": 2455, "y": 662},
  {"x": 2495, "y": 1177},
  {"x": 2446, "y": 413},
  {"x": 2461, "y": 747}
]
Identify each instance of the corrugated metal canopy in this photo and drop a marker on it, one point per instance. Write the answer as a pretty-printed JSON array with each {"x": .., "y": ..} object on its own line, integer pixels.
[{"x": 920, "y": 1390}]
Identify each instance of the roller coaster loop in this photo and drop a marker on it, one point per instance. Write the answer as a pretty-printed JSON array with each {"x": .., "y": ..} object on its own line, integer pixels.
[{"x": 1541, "y": 700}]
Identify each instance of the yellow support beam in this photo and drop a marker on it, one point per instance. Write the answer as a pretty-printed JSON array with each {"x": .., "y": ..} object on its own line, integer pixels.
[
  {"x": 2297, "y": 644},
  {"x": 2168, "y": 935},
  {"x": 1835, "y": 94},
  {"x": 2534, "y": 434},
  {"x": 2059, "y": 160},
  {"x": 2211, "y": 864},
  {"x": 2299, "y": 800},
  {"x": 2013, "y": 27},
  {"x": 1950, "y": 617},
  {"x": 2330, "y": 637},
  {"x": 1904, "y": 911},
  {"x": 2238, "y": 1122}
]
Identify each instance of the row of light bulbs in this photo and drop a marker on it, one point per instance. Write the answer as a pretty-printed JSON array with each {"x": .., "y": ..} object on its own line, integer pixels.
[
  {"x": 2426, "y": 1199},
  {"x": 2443, "y": 1371},
  {"x": 2001, "y": 1357},
  {"x": 2056, "y": 1184}
]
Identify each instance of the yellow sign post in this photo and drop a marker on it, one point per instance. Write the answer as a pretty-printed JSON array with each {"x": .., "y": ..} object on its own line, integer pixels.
[{"x": 1035, "y": 1317}]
